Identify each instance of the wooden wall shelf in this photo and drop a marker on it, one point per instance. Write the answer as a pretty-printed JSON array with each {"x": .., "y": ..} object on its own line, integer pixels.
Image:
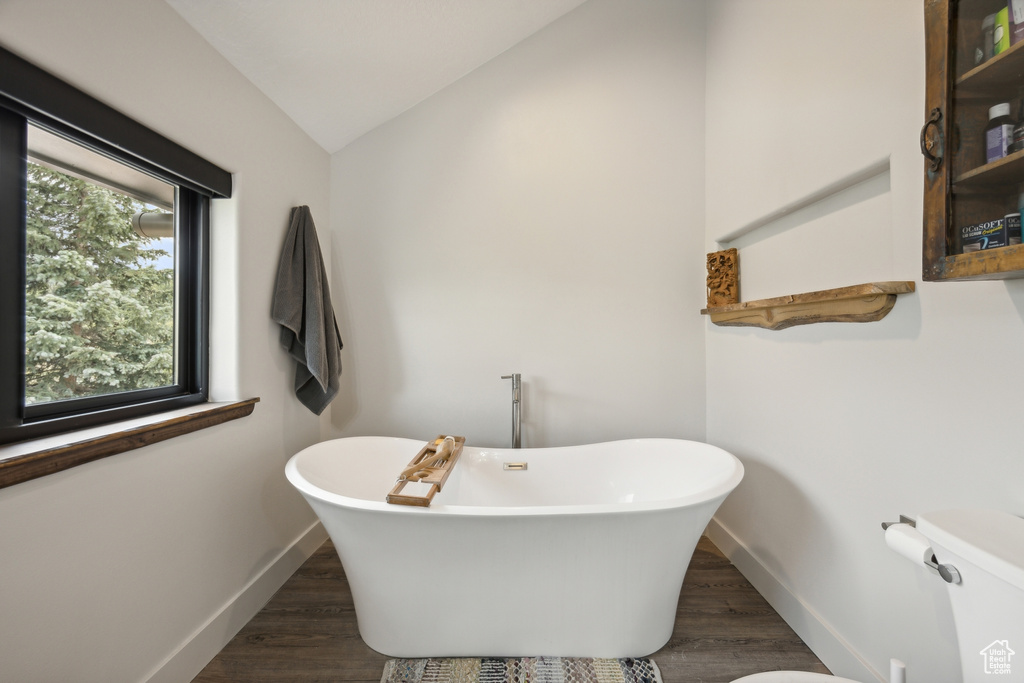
[{"x": 857, "y": 304}]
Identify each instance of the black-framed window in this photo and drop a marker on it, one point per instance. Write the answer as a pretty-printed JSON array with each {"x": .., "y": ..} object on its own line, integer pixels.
[{"x": 104, "y": 261}]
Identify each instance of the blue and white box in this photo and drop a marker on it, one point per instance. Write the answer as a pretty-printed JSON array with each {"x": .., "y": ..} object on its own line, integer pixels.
[{"x": 987, "y": 235}]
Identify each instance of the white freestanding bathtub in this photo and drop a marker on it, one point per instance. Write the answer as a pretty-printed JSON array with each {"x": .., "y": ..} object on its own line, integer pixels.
[{"x": 580, "y": 555}]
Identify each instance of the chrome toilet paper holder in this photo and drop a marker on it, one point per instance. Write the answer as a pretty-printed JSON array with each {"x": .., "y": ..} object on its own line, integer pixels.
[
  {"x": 947, "y": 572},
  {"x": 903, "y": 520}
]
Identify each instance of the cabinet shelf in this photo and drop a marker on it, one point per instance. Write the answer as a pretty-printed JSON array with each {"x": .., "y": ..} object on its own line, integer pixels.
[
  {"x": 857, "y": 304},
  {"x": 1004, "y": 263},
  {"x": 991, "y": 177},
  {"x": 993, "y": 77}
]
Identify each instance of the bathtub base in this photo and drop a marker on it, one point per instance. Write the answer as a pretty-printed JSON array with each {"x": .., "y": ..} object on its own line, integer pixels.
[{"x": 568, "y": 586}]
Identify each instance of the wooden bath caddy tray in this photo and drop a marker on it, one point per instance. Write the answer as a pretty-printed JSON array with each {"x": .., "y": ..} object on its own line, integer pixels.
[{"x": 435, "y": 472}]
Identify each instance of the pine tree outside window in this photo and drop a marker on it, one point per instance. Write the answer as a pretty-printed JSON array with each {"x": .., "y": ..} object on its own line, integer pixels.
[
  {"x": 99, "y": 291},
  {"x": 103, "y": 261}
]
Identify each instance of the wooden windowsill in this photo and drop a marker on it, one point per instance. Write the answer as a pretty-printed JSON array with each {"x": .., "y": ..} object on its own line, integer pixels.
[{"x": 21, "y": 462}]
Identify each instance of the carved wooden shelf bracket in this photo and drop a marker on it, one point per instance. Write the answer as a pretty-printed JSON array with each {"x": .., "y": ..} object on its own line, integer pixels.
[{"x": 857, "y": 304}]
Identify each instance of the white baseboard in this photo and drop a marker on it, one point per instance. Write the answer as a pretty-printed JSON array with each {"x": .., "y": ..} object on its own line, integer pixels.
[
  {"x": 188, "y": 660},
  {"x": 824, "y": 641}
]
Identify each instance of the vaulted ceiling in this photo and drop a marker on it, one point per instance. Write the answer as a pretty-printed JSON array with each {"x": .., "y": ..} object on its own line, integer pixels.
[{"x": 340, "y": 68}]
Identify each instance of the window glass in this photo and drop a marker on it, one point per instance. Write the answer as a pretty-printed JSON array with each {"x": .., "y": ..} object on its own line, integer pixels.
[{"x": 100, "y": 276}]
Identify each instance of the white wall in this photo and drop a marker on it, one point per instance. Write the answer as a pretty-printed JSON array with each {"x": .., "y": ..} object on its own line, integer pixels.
[
  {"x": 542, "y": 215},
  {"x": 108, "y": 568},
  {"x": 840, "y": 426}
]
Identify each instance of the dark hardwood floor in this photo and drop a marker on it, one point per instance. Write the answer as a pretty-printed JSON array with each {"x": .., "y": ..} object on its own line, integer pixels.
[{"x": 307, "y": 632}]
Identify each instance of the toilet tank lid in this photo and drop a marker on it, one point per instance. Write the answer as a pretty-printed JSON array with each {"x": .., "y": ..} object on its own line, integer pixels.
[{"x": 991, "y": 539}]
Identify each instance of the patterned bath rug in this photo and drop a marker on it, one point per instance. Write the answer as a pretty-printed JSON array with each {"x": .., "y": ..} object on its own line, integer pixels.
[{"x": 522, "y": 670}]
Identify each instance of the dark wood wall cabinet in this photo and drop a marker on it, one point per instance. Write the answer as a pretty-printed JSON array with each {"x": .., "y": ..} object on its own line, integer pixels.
[{"x": 972, "y": 194}]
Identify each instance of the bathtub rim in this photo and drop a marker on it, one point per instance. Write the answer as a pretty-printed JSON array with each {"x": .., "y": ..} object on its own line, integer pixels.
[{"x": 719, "y": 490}]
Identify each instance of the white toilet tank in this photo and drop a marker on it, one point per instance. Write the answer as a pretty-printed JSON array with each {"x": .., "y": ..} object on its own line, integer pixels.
[{"x": 987, "y": 548}]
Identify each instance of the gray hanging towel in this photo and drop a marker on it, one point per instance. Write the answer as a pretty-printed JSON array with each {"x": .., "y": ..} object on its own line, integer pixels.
[{"x": 302, "y": 306}]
